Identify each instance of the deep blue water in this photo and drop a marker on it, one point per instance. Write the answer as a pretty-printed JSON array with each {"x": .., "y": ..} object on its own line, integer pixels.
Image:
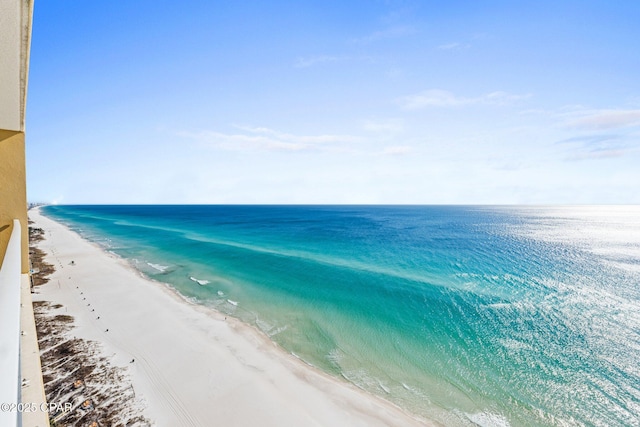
[{"x": 468, "y": 315}]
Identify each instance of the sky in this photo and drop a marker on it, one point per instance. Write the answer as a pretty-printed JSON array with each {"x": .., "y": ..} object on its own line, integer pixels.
[{"x": 340, "y": 102}]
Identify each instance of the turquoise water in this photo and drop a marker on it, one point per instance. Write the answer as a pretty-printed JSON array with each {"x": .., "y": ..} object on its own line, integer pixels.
[{"x": 491, "y": 316}]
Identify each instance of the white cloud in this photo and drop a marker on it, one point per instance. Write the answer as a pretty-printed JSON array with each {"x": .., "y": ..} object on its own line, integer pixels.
[
  {"x": 383, "y": 126},
  {"x": 389, "y": 33},
  {"x": 307, "y": 139},
  {"x": 589, "y": 147},
  {"x": 502, "y": 98},
  {"x": 314, "y": 60},
  {"x": 266, "y": 139},
  {"x": 308, "y": 61},
  {"x": 595, "y": 155},
  {"x": 397, "y": 150},
  {"x": 242, "y": 142},
  {"x": 443, "y": 98},
  {"x": 592, "y": 140},
  {"x": 432, "y": 98},
  {"x": 604, "y": 119},
  {"x": 454, "y": 46}
]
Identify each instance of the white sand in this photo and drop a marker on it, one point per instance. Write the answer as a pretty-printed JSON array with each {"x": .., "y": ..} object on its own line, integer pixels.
[{"x": 192, "y": 367}]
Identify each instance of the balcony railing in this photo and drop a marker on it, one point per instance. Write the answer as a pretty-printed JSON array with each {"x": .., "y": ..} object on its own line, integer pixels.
[{"x": 10, "y": 330}]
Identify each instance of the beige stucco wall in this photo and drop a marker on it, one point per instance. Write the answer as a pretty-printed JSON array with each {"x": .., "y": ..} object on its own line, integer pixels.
[
  {"x": 15, "y": 42},
  {"x": 13, "y": 191},
  {"x": 15, "y": 37},
  {"x": 10, "y": 68}
]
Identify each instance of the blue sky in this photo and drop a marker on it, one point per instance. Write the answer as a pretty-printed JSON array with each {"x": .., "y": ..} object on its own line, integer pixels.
[{"x": 421, "y": 102}]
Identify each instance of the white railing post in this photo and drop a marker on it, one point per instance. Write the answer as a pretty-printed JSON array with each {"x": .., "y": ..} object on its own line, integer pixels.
[{"x": 10, "y": 329}]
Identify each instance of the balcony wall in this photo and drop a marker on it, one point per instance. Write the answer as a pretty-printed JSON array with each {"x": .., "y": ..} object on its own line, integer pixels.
[
  {"x": 20, "y": 369},
  {"x": 13, "y": 193},
  {"x": 10, "y": 333}
]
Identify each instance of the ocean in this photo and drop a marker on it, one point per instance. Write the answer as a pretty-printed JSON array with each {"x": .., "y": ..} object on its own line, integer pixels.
[{"x": 467, "y": 315}]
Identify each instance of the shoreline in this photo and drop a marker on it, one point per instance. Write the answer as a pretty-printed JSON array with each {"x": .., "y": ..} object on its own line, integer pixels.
[{"x": 194, "y": 366}]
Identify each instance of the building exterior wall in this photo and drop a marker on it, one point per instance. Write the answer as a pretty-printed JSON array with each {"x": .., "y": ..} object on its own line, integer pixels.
[
  {"x": 15, "y": 41},
  {"x": 10, "y": 68},
  {"x": 13, "y": 191},
  {"x": 19, "y": 354}
]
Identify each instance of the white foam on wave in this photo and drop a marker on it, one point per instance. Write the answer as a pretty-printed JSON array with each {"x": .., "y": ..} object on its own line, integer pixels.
[
  {"x": 302, "y": 360},
  {"x": 278, "y": 330},
  {"x": 416, "y": 392},
  {"x": 362, "y": 379},
  {"x": 335, "y": 356},
  {"x": 269, "y": 328},
  {"x": 220, "y": 293},
  {"x": 348, "y": 378},
  {"x": 384, "y": 387},
  {"x": 235, "y": 303},
  {"x": 199, "y": 281},
  {"x": 161, "y": 268},
  {"x": 487, "y": 419},
  {"x": 264, "y": 326}
]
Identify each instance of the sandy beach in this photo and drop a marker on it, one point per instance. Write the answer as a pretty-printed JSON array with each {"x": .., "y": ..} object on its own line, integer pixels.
[{"x": 191, "y": 365}]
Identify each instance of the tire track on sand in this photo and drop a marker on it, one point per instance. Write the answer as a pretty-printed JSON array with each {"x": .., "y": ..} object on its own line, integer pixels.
[{"x": 174, "y": 402}]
